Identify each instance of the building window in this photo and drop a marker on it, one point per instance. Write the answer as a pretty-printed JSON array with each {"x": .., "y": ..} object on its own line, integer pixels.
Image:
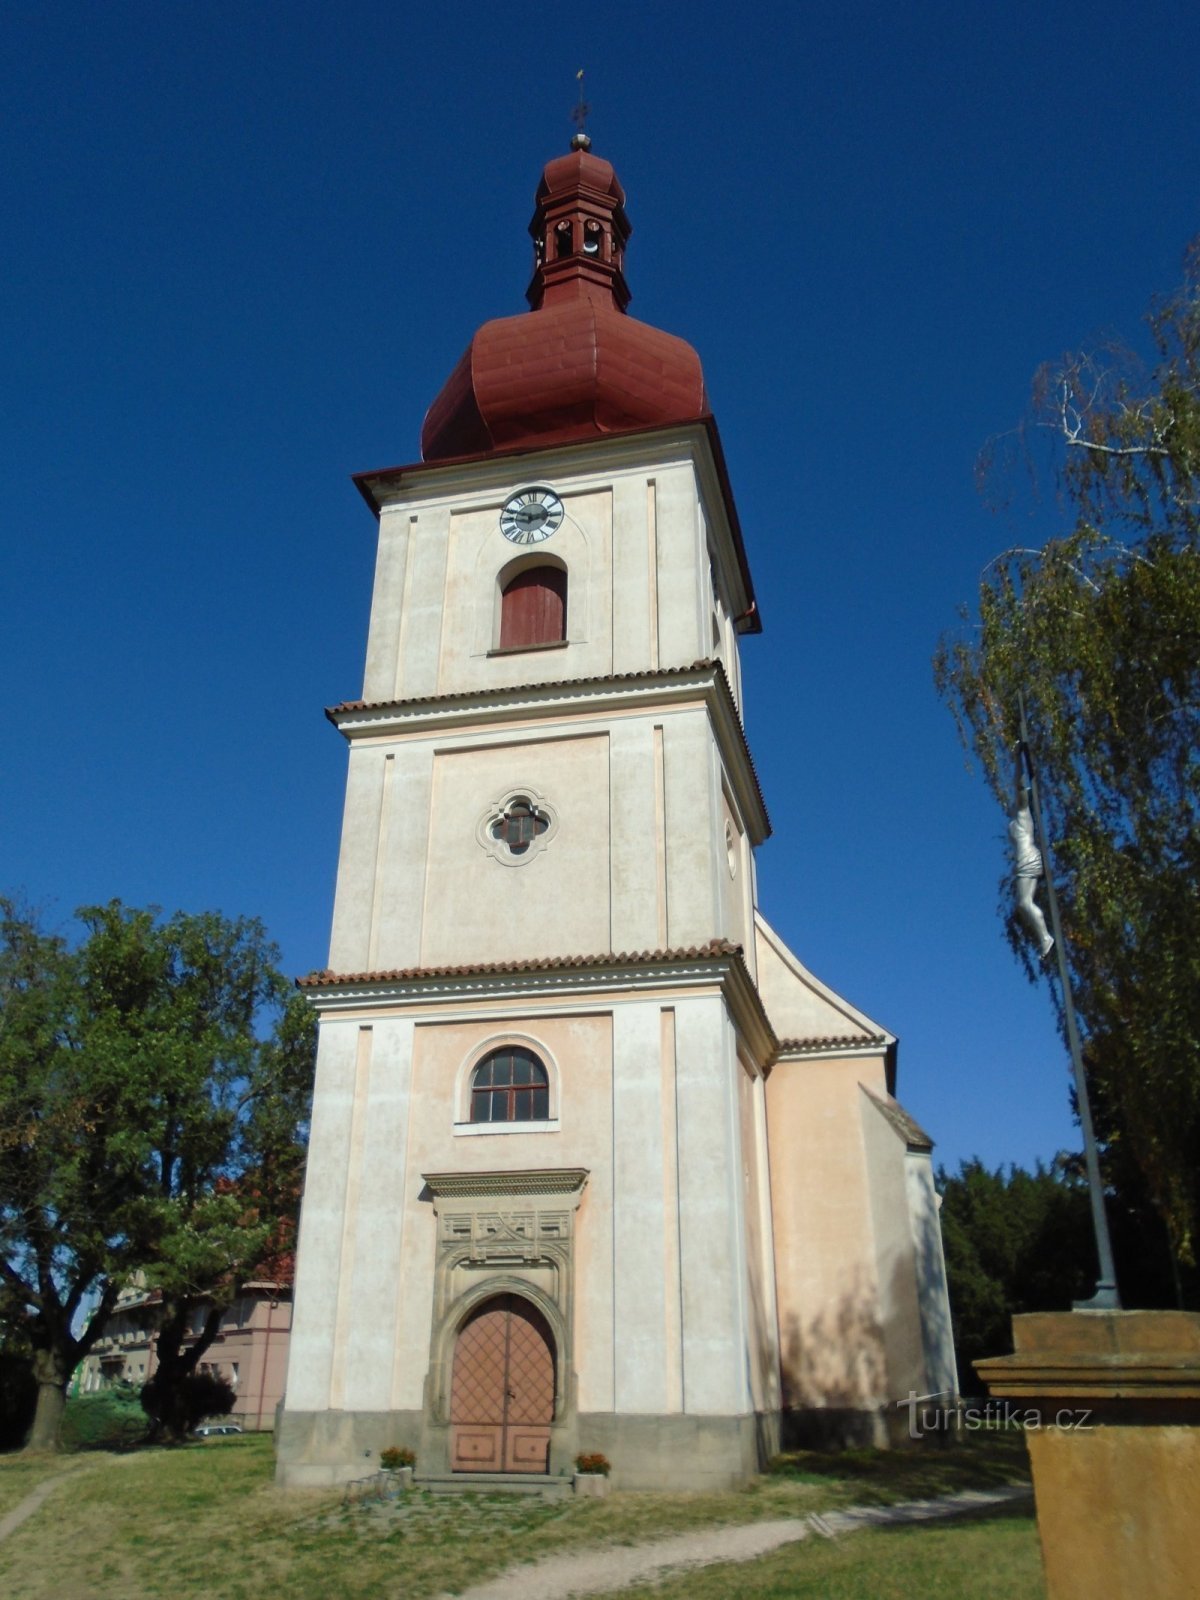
[
  {"x": 510, "y": 1085},
  {"x": 520, "y": 825},
  {"x": 517, "y": 827},
  {"x": 533, "y": 608}
]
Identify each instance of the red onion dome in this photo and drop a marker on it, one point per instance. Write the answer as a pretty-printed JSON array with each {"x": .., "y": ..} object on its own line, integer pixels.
[{"x": 574, "y": 366}]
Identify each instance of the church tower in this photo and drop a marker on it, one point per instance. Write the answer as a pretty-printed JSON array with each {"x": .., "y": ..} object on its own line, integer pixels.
[{"x": 596, "y": 1164}]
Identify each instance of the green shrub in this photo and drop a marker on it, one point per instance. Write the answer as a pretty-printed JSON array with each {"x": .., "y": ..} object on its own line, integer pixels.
[
  {"x": 176, "y": 1408},
  {"x": 110, "y": 1420},
  {"x": 395, "y": 1457}
]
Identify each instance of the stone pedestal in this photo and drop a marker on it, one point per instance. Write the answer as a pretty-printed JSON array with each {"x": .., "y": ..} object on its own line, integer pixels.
[{"x": 1111, "y": 1405}]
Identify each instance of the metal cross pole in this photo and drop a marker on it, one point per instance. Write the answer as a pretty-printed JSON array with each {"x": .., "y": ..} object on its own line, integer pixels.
[
  {"x": 1106, "y": 1297},
  {"x": 579, "y": 114}
]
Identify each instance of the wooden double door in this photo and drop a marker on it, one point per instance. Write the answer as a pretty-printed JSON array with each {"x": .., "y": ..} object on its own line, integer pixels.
[{"x": 502, "y": 1392}]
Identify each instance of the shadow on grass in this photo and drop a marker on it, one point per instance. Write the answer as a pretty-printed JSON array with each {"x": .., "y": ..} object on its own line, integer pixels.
[{"x": 978, "y": 1461}]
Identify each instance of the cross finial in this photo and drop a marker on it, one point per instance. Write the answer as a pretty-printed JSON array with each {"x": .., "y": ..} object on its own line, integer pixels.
[{"x": 579, "y": 116}]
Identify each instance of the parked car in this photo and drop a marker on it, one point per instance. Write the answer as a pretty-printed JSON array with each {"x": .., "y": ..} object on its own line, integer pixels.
[{"x": 209, "y": 1430}]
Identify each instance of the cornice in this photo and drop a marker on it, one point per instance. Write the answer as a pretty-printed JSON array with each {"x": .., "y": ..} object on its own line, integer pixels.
[
  {"x": 654, "y": 686},
  {"x": 694, "y": 967},
  {"x": 871, "y": 1044},
  {"x": 488, "y": 1185},
  {"x": 719, "y": 963}
]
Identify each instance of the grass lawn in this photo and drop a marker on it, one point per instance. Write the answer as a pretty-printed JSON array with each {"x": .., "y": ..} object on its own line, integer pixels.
[
  {"x": 19, "y": 1475},
  {"x": 997, "y": 1559},
  {"x": 205, "y": 1521}
]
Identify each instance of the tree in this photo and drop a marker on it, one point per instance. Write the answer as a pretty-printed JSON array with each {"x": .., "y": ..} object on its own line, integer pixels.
[
  {"x": 233, "y": 1219},
  {"x": 1101, "y": 631},
  {"x": 147, "y": 1121},
  {"x": 1014, "y": 1242}
]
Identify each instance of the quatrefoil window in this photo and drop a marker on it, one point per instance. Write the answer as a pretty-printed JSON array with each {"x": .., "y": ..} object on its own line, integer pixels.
[
  {"x": 516, "y": 827},
  {"x": 520, "y": 825}
]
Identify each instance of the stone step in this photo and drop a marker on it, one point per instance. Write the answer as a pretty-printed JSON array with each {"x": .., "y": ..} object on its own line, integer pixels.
[{"x": 494, "y": 1483}]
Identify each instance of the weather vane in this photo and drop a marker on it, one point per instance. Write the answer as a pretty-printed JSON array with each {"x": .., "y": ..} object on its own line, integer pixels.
[{"x": 579, "y": 116}]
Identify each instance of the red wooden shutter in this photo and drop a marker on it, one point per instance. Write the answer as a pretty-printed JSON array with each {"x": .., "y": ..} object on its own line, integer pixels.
[{"x": 533, "y": 609}]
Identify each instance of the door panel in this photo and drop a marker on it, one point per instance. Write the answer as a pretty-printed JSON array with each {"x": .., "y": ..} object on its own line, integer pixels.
[{"x": 502, "y": 1394}]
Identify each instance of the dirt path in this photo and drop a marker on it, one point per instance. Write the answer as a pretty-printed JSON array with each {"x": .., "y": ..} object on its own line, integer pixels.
[
  {"x": 36, "y": 1498},
  {"x": 615, "y": 1567},
  {"x": 24, "y": 1509}
]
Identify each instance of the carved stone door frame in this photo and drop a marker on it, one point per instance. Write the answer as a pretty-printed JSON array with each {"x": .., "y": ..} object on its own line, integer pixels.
[{"x": 502, "y": 1233}]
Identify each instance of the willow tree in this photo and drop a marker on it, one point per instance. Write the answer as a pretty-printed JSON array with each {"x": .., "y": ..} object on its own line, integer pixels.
[{"x": 1100, "y": 630}]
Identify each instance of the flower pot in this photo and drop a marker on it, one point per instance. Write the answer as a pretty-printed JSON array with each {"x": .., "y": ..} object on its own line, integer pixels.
[{"x": 593, "y": 1485}]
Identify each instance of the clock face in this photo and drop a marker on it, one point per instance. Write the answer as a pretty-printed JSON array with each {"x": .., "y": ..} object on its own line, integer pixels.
[{"x": 531, "y": 515}]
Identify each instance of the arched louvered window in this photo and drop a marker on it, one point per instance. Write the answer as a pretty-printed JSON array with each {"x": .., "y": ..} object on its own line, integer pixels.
[
  {"x": 510, "y": 1085},
  {"x": 533, "y": 608}
]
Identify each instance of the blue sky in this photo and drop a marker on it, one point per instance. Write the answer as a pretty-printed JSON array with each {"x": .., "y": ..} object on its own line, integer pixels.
[{"x": 247, "y": 243}]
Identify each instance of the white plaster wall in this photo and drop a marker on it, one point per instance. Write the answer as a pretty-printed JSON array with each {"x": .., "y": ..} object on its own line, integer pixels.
[
  {"x": 634, "y": 579},
  {"x": 480, "y": 554},
  {"x": 372, "y": 1277},
  {"x": 693, "y": 825},
  {"x": 381, "y": 677},
  {"x": 712, "y": 1229},
  {"x": 424, "y": 605},
  {"x": 643, "y": 1363},
  {"x": 924, "y": 1205},
  {"x": 402, "y": 848},
  {"x": 895, "y": 1266},
  {"x": 737, "y": 908},
  {"x": 670, "y": 1305},
  {"x": 556, "y": 902},
  {"x": 635, "y": 542},
  {"x": 637, "y": 859},
  {"x": 683, "y": 582},
  {"x": 761, "y": 1319},
  {"x": 582, "y": 1047},
  {"x": 323, "y": 1217},
  {"x": 799, "y": 1005},
  {"x": 416, "y": 887},
  {"x": 354, "y": 897}
]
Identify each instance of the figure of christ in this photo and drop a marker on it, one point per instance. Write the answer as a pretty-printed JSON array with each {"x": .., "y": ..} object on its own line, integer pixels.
[{"x": 1027, "y": 867}]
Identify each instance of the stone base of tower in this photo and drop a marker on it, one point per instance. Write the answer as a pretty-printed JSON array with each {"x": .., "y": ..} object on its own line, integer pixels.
[
  {"x": 682, "y": 1452},
  {"x": 319, "y": 1449},
  {"x": 316, "y": 1450}
]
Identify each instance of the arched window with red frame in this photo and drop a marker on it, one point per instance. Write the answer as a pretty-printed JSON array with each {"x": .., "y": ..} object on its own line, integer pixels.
[{"x": 533, "y": 608}]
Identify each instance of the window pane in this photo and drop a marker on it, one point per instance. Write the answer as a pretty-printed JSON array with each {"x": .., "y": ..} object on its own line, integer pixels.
[{"x": 510, "y": 1085}]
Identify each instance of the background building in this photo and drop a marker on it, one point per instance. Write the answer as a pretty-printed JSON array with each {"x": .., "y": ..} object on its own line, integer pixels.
[{"x": 249, "y": 1352}]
